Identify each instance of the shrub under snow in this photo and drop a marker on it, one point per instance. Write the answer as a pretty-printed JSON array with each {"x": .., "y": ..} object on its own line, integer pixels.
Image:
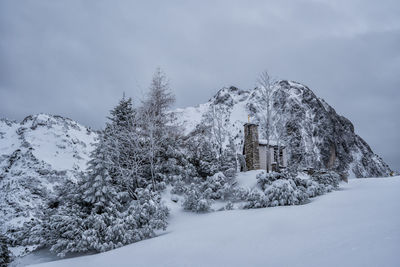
[
  {"x": 195, "y": 200},
  {"x": 277, "y": 189},
  {"x": 280, "y": 189},
  {"x": 199, "y": 194},
  {"x": 69, "y": 228},
  {"x": 219, "y": 186},
  {"x": 327, "y": 178}
]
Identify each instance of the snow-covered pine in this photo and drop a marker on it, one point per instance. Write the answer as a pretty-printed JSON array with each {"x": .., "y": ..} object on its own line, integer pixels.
[
  {"x": 108, "y": 207},
  {"x": 98, "y": 189},
  {"x": 123, "y": 114},
  {"x": 126, "y": 148},
  {"x": 200, "y": 152}
]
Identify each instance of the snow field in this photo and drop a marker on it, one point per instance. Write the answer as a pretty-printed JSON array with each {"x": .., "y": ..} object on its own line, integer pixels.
[{"x": 355, "y": 226}]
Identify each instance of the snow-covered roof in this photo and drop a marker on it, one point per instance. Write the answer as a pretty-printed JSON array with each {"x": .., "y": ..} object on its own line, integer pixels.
[{"x": 264, "y": 142}]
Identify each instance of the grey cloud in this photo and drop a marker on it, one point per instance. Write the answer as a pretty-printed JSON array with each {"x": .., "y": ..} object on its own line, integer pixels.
[{"x": 76, "y": 57}]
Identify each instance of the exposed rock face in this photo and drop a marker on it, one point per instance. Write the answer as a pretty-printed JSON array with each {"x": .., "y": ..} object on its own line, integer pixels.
[{"x": 314, "y": 134}]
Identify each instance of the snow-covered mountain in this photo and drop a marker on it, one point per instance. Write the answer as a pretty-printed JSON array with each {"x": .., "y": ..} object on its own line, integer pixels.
[
  {"x": 35, "y": 156},
  {"x": 315, "y": 135},
  {"x": 43, "y": 150}
]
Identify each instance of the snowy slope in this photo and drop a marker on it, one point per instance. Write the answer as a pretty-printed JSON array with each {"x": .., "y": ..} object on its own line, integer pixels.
[
  {"x": 36, "y": 155},
  {"x": 314, "y": 134},
  {"x": 355, "y": 226}
]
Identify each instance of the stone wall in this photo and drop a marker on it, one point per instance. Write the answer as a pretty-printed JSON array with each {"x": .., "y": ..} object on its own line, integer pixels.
[{"x": 251, "y": 146}]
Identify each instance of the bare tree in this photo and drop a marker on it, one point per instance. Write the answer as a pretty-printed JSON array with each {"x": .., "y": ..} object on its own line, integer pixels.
[
  {"x": 265, "y": 85},
  {"x": 152, "y": 143},
  {"x": 215, "y": 119},
  {"x": 279, "y": 135},
  {"x": 156, "y": 118},
  {"x": 218, "y": 129}
]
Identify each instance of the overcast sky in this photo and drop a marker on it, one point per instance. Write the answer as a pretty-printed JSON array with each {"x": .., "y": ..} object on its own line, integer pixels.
[{"x": 75, "y": 58}]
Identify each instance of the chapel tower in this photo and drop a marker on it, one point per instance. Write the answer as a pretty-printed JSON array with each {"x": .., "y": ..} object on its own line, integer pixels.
[{"x": 251, "y": 146}]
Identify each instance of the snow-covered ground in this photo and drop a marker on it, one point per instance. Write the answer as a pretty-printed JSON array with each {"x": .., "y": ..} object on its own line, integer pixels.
[{"x": 358, "y": 225}]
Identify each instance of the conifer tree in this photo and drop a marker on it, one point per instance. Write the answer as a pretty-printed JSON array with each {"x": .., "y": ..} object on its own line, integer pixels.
[
  {"x": 98, "y": 189},
  {"x": 123, "y": 114},
  {"x": 97, "y": 214},
  {"x": 201, "y": 152},
  {"x": 127, "y": 151}
]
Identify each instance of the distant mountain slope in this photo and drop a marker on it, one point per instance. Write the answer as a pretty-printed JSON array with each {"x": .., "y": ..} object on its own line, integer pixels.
[
  {"x": 315, "y": 135},
  {"x": 36, "y": 155}
]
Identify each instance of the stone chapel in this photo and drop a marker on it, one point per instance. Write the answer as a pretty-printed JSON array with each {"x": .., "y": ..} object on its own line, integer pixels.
[{"x": 257, "y": 153}]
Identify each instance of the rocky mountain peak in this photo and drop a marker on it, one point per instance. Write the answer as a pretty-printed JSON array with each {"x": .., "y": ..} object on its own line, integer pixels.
[{"x": 315, "y": 135}]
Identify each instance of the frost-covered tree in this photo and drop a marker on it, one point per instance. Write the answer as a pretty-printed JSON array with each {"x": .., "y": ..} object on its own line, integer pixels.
[
  {"x": 216, "y": 134},
  {"x": 156, "y": 121},
  {"x": 201, "y": 153},
  {"x": 111, "y": 204},
  {"x": 95, "y": 216},
  {"x": 265, "y": 85},
  {"x": 229, "y": 161},
  {"x": 98, "y": 189},
  {"x": 174, "y": 160},
  {"x": 126, "y": 147},
  {"x": 215, "y": 119},
  {"x": 123, "y": 114},
  {"x": 279, "y": 135}
]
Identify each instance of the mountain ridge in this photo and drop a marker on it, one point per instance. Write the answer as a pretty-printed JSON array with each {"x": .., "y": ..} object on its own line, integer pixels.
[{"x": 313, "y": 131}]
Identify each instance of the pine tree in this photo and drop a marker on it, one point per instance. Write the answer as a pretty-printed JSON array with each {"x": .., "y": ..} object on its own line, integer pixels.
[
  {"x": 110, "y": 206},
  {"x": 123, "y": 114},
  {"x": 98, "y": 189},
  {"x": 126, "y": 150},
  {"x": 98, "y": 218},
  {"x": 200, "y": 151}
]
